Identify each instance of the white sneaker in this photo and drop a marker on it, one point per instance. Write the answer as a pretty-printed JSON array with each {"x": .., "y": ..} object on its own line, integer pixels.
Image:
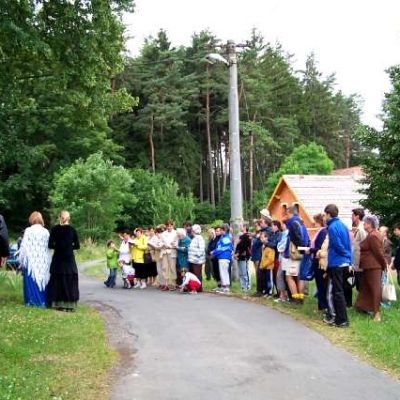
[
  {"x": 137, "y": 285},
  {"x": 143, "y": 285}
]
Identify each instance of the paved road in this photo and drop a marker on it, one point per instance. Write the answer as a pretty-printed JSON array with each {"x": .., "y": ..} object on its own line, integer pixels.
[{"x": 213, "y": 347}]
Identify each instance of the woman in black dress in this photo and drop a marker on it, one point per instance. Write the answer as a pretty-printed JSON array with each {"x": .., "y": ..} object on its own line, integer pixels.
[{"x": 63, "y": 290}]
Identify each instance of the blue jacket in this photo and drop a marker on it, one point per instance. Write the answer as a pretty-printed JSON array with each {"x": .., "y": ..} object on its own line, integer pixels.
[
  {"x": 273, "y": 241},
  {"x": 319, "y": 241},
  {"x": 339, "y": 249},
  {"x": 298, "y": 234},
  {"x": 182, "y": 249},
  {"x": 224, "y": 248},
  {"x": 256, "y": 249}
]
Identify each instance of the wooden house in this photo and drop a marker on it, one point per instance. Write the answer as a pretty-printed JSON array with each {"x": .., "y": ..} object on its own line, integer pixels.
[{"x": 311, "y": 193}]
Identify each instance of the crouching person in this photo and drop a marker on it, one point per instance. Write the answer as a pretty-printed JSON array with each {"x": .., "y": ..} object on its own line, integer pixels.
[{"x": 190, "y": 282}]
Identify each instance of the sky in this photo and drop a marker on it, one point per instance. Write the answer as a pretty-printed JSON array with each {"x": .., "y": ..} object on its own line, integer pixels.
[{"x": 355, "y": 39}]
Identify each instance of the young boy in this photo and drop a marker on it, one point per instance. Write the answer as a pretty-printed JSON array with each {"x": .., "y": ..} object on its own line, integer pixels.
[
  {"x": 112, "y": 263},
  {"x": 191, "y": 282}
]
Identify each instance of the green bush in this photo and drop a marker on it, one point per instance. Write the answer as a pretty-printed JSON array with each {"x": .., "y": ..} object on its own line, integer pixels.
[
  {"x": 306, "y": 159},
  {"x": 158, "y": 199},
  {"x": 204, "y": 213},
  {"x": 94, "y": 192}
]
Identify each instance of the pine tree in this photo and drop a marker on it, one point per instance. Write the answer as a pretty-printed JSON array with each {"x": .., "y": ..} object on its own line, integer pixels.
[{"x": 382, "y": 166}]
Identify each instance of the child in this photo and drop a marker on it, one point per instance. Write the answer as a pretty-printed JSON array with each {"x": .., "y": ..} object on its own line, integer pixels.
[
  {"x": 112, "y": 263},
  {"x": 191, "y": 282},
  {"x": 128, "y": 275},
  {"x": 124, "y": 260}
]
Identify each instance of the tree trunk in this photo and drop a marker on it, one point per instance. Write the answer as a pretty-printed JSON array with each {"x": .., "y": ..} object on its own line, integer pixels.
[
  {"x": 251, "y": 173},
  {"x": 209, "y": 149},
  {"x": 152, "y": 153},
  {"x": 226, "y": 165},
  {"x": 218, "y": 162},
  {"x": 347, "y": 149},
  {"x": 201, "y": 195}
]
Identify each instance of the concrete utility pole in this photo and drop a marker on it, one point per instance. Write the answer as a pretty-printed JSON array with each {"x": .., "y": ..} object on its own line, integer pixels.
[{"x": 234, "y": 141}]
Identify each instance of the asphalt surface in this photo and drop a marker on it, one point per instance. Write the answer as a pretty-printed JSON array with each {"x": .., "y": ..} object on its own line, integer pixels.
[{"x": 205, "y": 346}]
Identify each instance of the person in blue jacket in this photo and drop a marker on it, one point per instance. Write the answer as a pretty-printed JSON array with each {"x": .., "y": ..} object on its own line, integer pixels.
[
  {"x": 256, "y": 253},
  {"x": 223, "y": 253},
  {"x": 339, "y": 260}
]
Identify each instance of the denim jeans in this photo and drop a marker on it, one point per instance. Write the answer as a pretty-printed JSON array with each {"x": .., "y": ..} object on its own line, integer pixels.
[
  {"x": 110, "y": 282},
  {"x": 244, "y": 275}
]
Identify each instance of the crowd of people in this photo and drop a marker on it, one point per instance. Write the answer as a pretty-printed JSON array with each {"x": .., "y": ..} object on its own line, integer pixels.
[
  {"x": 338, "y": 258},
  {"x": 285, "y": 258},
  {"x": 169, "y": 258}
]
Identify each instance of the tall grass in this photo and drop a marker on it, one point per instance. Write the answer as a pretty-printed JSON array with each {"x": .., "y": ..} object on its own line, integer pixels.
[{"x": 90, "y": 251}]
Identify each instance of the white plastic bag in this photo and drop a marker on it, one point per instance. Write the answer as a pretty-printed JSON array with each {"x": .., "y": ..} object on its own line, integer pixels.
[{"x": 388, "y": 288}]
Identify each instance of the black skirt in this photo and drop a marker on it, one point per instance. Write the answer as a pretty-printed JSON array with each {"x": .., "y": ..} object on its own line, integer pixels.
[
  {"x": 141, "y": 270},
  {"x": 152, "y": 269},
  {"x": 63, "y": 287}
]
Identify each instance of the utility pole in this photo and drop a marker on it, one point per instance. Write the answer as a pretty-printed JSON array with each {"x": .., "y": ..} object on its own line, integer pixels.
[
  {"x": 234, "y": 142},
  {"x": 209, "y": 148}
]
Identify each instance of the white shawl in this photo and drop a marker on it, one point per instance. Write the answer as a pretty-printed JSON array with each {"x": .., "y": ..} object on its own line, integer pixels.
[{"x": 34, "y": 254}]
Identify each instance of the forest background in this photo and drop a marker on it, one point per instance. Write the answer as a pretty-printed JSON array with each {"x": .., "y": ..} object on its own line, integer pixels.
[{"x": 128, "y": 141}]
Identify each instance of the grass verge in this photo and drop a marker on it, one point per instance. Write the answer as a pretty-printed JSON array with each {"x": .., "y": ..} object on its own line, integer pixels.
[
  {"x": 47, "y": 354},
  {"x": 99, "y": 271},
  {"x": 90, "y": 251},
  {"x": 376, "y": 343}
]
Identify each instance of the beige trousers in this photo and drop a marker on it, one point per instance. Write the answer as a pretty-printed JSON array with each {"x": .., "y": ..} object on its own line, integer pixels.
[{"x": 168, "y": 270}]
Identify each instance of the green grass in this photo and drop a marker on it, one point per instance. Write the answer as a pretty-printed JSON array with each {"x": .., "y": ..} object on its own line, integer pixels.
[
  {"x": 376, "y": 343},
  {"x": 99, "y": 271},
  {"x": 91, "y": 251},
  {"x": 45, "y": 354}
]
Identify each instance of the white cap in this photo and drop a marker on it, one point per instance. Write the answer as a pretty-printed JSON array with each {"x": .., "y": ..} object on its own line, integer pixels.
[{"x": 265, "y": 214}]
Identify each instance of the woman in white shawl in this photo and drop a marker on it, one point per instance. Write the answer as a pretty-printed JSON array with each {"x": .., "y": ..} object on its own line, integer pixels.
[{"x": 34, "y": 257}]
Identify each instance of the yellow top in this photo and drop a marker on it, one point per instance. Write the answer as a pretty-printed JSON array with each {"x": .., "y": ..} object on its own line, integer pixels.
[{"x": 138, "y": 249}]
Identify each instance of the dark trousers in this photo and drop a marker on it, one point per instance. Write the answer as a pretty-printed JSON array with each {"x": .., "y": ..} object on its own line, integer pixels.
[
  {"x": 338, "y": 277},
  {"x": 215, "y": 270},
  {"x": 357, "y": 276},
  {"x": 266, "y": 281},
  {"x": 259, "y": 277},
  {"x": 322, "y": 284},
  {"x": 208, "y": 268},
  {"x": 348, "y": 288},
  {"x": 197, "y": 270}
]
